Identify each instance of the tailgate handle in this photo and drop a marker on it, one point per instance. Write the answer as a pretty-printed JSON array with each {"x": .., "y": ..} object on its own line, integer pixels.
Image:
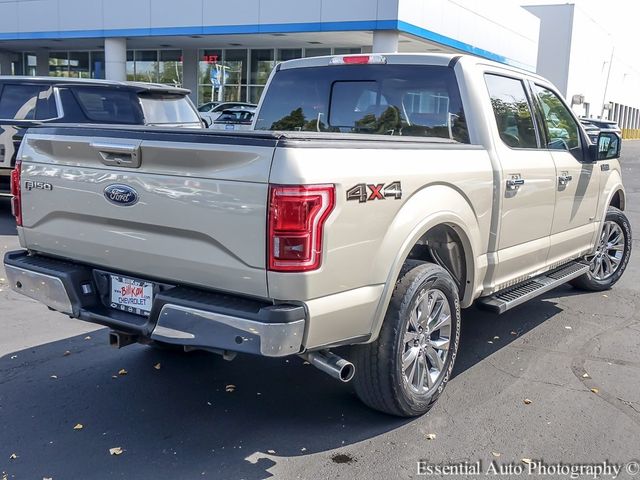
[{"x": 120, "y": 155}]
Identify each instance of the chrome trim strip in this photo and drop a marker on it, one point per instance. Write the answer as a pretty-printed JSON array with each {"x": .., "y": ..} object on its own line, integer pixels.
[
  {"x": 43, "y": 288},
  {"x": 184, "y": 325}
]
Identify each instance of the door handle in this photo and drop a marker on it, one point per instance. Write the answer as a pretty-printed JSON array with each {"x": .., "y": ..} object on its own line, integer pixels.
[
  {"x": 514, "y": 183},
  {"x": 122, "y": 155},
  {"x": 564, "y": 179}
]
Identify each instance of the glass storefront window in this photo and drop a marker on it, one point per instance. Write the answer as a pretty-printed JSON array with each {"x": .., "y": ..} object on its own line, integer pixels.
[
  {"x": 285, "y": 54},
  {"x": 254, "y": 94},
  {"x": 79, "y": 64},
  {"x": 235, "y": 65},
  {"x": 346, "y": 51},
  {"x": 261, "y": 65},
  {"x": 146, "y": 66},
  {"x": 58, "y": 64},
  {"x": 170, "y": 67},
  {"x": 235, "y": 93},
  {"x": 131, "y": 66},
  {"x": 316, "y": 52},
  {"x": 30, "y": 64},
  {"x": 97, "y": 65},
  {"x": 206, "y": 94},
  {"x": 210, "y": 76}
]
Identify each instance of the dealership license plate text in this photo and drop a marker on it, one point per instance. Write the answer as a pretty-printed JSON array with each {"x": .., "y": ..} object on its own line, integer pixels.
[{"x": 132, "y": 296}]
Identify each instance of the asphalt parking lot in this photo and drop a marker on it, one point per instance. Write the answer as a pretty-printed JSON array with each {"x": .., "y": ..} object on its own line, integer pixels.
[{"x": 576, "y": 356}]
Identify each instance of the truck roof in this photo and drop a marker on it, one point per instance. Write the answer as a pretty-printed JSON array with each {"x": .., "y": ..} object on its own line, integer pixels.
[
  {"x": 140, "y": 86},
  {"x": 442, "y": 59}
]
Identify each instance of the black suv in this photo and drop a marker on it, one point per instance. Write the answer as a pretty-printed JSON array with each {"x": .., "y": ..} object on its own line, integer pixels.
[{"x": 26, "y": 102}]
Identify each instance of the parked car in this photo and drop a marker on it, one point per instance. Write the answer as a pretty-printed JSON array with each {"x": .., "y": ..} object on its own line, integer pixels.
[
  {"x": 207, "y": 107},
  {"x": 215, "y": 111},
  {"x": 603, "y": 124},
  {"x": 234, "y": 119},
  {"x": 25, "y": 102},
  {"x": 379, "y": 196},
  {"x": 591, "y": 130}
]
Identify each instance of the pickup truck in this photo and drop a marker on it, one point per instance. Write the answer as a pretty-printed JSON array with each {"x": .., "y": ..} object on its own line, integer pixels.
[
  {"x": 376, "y": 197},
  {"x": 30, "y": 101}
]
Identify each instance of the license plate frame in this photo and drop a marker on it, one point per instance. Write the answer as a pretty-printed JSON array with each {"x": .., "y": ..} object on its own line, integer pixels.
[{"x": 131, "y": 295}]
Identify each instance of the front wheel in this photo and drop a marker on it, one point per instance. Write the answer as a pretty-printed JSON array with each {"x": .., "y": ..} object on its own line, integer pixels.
[
  {"x": 406, "y": 369},
  {"x": 611, "y": 256}
]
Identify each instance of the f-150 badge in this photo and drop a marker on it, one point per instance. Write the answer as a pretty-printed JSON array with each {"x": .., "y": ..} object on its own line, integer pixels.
[{"x": 363, "y": 192}]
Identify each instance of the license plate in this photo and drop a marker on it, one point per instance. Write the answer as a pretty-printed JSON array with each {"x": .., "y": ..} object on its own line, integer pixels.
[{"x": 130, "y": 295}]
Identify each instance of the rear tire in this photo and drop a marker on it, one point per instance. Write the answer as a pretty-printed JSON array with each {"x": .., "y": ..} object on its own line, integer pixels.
[
  {"x": 613, "y": 252},
  {"x": 405, "y": 370}
]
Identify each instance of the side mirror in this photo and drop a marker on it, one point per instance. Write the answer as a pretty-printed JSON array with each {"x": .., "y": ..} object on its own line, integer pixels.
[
  {"x": 607, "y": 147},
  {"x": 206, "y": 121}
]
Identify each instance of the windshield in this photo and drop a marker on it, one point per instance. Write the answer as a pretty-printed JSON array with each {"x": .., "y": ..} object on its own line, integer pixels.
[
  {"x": 407, "y": 100},
  {"x": 167, "y": 108}
]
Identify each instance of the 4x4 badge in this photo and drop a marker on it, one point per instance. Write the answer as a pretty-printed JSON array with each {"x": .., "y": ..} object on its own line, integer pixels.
[{"x": 363, "y": 192}]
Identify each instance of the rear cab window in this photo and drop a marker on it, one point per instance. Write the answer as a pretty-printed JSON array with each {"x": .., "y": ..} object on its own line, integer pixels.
[
  {"x": 395, "y": 100},
  {"x": 512, "y": 111},
  {"x": 109, "y": 105}
]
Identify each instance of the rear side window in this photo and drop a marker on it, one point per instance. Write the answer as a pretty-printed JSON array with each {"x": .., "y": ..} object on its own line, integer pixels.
[
  {"x": 512, "y": 111},
  {"x": 167, "y": 108},
  {"x": 104, "y": 105},
  {"x": 406, "y": 100},
  {"x": 18, "y": 102}
]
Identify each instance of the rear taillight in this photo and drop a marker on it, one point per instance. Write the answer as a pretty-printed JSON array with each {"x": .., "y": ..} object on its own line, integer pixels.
[
  {"x": 296, "y": 219},
  {"x": 16, "y": 200}
]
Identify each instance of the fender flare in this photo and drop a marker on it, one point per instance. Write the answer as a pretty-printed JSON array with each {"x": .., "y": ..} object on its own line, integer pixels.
[
  {"x": 460, "y": 217},
  {"x": 614, "y": 187}
]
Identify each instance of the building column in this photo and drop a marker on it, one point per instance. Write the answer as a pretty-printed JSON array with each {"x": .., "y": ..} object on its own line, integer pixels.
[
  {"x": 385, "y": 41},
  {"x": 115, "y": 59},
  {"x": 42, "y": 63},
  {"x": 190, "y": 72}
]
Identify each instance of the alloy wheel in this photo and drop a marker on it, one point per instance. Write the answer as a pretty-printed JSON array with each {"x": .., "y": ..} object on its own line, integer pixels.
[
  {"x": 426, "y": 341},
  {"x": 609, "y": 252}
]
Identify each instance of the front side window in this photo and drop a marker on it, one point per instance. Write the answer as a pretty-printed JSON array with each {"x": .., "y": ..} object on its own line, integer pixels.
[
  {"x": 512, "y": 111},
  {"x": 18, "y": 102},
  {"x": 403, "y": 100},
  {"x": 562, "y": 129}
]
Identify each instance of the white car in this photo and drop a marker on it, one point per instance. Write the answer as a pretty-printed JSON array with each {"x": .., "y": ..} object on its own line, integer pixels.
[{"x": 209, "y": 112}]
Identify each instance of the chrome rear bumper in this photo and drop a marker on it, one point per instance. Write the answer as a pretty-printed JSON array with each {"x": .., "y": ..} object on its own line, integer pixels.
[{"x": 180, "y": 315}]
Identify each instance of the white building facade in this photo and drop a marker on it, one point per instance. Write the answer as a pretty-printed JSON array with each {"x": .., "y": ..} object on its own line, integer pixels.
[
  {"x": 226, "y": 50},
  {"x": 597, "y": 75}
]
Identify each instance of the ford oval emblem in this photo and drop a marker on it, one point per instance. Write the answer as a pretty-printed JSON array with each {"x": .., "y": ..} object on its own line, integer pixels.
[{"x": 122, "y": 195}]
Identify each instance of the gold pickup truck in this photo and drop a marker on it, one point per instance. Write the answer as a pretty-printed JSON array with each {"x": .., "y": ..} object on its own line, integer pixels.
[{"x": 375, "y": 197}]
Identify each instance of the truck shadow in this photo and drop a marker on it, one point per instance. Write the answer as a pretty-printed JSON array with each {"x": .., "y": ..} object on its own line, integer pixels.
[
  {"x": 7, "y": 222},
  {"x": 195, "y": 413}
]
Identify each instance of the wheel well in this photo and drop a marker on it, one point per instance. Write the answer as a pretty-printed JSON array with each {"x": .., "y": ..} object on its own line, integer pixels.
[
  {"x": 442, "y": 245},
  {"x": 618, "y": 200}
]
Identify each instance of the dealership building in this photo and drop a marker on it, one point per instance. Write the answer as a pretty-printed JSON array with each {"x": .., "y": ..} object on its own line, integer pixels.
[{"x": 226, "y": 50}]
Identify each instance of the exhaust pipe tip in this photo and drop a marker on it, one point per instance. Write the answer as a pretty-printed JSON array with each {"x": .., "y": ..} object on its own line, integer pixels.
[
  {"x": 347, "y": 372},
  {"x": 332, "y": 364}
]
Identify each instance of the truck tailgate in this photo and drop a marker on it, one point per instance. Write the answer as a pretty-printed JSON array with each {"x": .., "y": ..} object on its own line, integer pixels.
[{"x": 200, "y": 213}]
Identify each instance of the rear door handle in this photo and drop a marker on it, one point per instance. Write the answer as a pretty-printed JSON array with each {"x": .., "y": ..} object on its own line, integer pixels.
[
  {"x": 514, "y": 183},
  {"x": 118, "y": 154}
]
